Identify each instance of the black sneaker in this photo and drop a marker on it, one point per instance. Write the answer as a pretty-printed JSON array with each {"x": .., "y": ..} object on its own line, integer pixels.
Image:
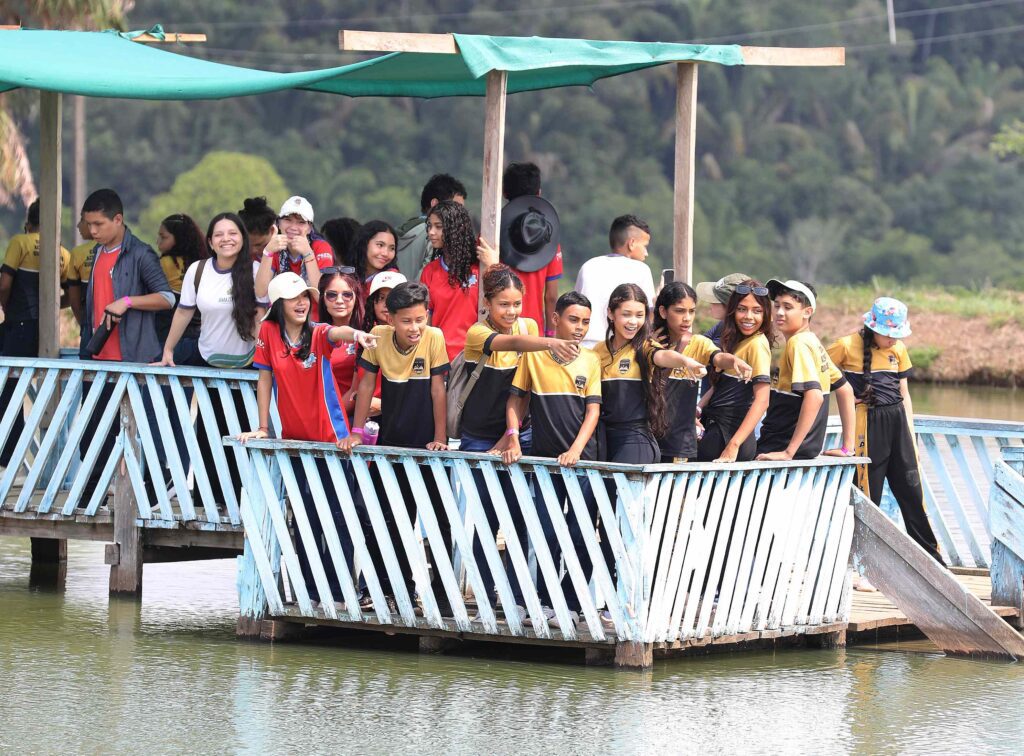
[
  {"x": 366, "y": 603},
  {"x": 392, "y": 604}
]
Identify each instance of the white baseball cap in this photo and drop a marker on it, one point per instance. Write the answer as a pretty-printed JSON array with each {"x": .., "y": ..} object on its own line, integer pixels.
[
  {"x": 297, "y": 206},
  {"x": 287, "y": 286},
  {"x": 776, "y": 287},
  {"x": 386, "y": 279}
]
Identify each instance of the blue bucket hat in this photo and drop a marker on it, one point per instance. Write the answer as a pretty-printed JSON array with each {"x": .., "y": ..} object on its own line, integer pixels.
[{"x": 888, "y": 317}]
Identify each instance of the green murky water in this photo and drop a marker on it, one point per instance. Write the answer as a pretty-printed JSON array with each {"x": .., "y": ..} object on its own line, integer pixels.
[{"x": 79, "y": 674}]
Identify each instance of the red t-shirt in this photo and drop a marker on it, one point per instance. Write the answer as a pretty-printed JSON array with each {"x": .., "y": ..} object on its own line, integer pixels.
[
  {"x": 453, "y": 309},
  {"x": 535, "y": 283},
  {"x": 321, "y": 250},
  {"x": 308, "y": 398},
  {"x": 102, "y": 296},
  {"x": 343, "y": 365}
]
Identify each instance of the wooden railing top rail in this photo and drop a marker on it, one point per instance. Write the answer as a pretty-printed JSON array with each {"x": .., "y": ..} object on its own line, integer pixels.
[
  {"x": 135, "y": 368},
  {"x": 321, "y": 449},
  {"x": 960, "y": 426}
]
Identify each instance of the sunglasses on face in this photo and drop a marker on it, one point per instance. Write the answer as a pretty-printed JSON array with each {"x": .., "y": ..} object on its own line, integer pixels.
[
  {"x": 757, "y": 291},
  {"x": 332, "y": 296},
  {"x": 334, "y": 270}
]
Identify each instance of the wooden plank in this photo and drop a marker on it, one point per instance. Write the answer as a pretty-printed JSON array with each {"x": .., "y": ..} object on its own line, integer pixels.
[
  {"x": 97, "y": 529},
  {"x": 943, "y": 609},
  {"x": 170, "y": 37},
  {"x": 793, "y": 56},
  {"x": 50, "y": 203},
  {"x": 685, "y": 171},
  {"x": 126, "y": 575},
  {"x": 953, "y": 497},
  {"x": 371, "y": 41},
  {"x": 494, "y": 165},
  {"x": 177, "y": 465}
]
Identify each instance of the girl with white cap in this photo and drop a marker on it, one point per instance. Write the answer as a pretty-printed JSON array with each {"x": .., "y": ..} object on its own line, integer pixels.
[{"x": 877, "y": 365}]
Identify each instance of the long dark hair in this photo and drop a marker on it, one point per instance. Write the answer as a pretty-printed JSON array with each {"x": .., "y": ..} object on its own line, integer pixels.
[
  {"x": 459, "y": 250},
  {"x": 672, "y": 294},
  {"x": 276, "y": 315},
  {"x": 243, "y": 286},
  {"x": 326, "y": 279},
  {"x": 362, "y": 240},
  {"x": 653, "y": 381},
  {"x": 340, "y": 233},
  {"x": 868, "y": 336},
  {"x": 731, "y": 334},
  {"x": 189, "y": 244}
]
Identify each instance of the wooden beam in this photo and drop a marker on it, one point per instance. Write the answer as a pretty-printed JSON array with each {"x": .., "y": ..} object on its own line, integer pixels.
[
  {"x": 50, "y": 200},
  {"x": 794, "y": 56},
  {"x": 494, "y": 162},
  {"x": 686, "y": 156},
  {"x": 168, "y": 38},
  {"x": 370, "y": 41}
]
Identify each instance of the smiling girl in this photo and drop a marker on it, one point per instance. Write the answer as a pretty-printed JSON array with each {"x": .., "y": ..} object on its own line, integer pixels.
[
  {"x": 341, "y": 305},
  {"x": 374, "y": 248},
  {"x": 293, "y": 353},
  {"x": 453, "y": 275},
  {"x": 737, "y": 403}
]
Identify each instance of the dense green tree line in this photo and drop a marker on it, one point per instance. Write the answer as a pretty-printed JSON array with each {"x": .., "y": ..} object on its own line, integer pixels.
[{"x": 882, "y": 167}]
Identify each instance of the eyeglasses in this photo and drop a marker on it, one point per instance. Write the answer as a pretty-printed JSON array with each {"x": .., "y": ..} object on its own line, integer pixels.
[
  {"x": 334, "y": 270},
  {"x": 330, "y": 296},
  {"x": 757, "y": 291}
]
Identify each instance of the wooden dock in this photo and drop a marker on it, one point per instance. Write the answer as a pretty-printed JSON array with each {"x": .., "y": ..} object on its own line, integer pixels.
[{"x": 872, "y": 615}]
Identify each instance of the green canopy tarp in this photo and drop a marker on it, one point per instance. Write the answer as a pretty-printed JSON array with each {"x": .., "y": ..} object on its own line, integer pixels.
[{"x": 107, "y": 64}]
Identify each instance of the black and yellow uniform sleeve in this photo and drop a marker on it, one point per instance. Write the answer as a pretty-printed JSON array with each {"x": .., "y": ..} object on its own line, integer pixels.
[
  {"x": 370, "y": 358},
  {"x": 904, "y": 367},
  {"x": 438, "y": 351},
  {"x": 805, "y": 368},
  {"x": 702, "y": 349}
]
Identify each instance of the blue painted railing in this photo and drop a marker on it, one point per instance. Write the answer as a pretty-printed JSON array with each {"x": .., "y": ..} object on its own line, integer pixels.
[
  {"x": 70, "y": 406},
  {"x": 958, "y": 458},
  {"x": 700, "y": 550}
]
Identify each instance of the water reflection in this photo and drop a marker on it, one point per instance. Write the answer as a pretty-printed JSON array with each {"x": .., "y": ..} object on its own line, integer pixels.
[{"x": 79, "y": 673}]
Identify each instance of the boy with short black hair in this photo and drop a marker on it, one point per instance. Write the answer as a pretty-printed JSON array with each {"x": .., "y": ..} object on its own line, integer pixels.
[
  {"x": 564, "y": 401},
  {"x": 413, "y": 250},
  {"x": 794, "y": 426},
  {"x": 412, "y": 360},
  {"x": 628, "y": 239}
]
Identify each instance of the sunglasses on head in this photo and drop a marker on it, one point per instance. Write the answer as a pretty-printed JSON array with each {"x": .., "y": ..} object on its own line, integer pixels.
[
  {"x": 757, "y": 291},
  {"x": 331, "y": 296},
  {"x": 334, "y": 270}
]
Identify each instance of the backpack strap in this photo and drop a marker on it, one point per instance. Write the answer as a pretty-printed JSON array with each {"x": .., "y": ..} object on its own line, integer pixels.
[{"x": 199, "y": 275}]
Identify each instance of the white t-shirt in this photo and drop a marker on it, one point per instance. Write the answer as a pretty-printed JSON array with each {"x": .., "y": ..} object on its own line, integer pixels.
[
  {"x": 219, "y": 342},
  {"x": 598, "y": 278}
]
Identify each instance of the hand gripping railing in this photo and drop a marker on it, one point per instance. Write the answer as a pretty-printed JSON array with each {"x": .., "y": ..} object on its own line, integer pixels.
[
  {"x": 76, "y": 428},
  {"x": 956, "y": 457},
  {"x": 695, "y": 551}
]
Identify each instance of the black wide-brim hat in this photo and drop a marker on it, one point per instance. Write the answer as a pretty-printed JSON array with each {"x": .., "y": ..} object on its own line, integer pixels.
[{"x": 528, "y": 239}]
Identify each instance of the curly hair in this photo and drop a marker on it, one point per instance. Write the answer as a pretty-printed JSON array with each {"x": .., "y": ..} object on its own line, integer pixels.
[
  {"x": 500, "y": 277},
  {"x": 189, "y": 244},
  {"x": 243, "y": 287},
  {"x": 652, "y": 379},
  {"x": 459, "y": 250}
]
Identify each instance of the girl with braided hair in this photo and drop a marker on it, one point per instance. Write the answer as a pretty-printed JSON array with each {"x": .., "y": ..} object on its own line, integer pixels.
[
  {"x": 875, "y": 362},
  {"x": 453, "y": 274}
]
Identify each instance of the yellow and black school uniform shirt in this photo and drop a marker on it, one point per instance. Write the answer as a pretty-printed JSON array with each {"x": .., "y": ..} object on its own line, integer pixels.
[
  {"x": 888, "y": 367},
  {"x": 804, "y": 366},
  {"x": 732, "y": 396},
  {"x": 407, "y": 407},
  {"x": 622, "y": 390},
  {"x": 484, "y": 413},
  {"x": 22, "y": 263},
  {"x": 681, "y": 389},
  {"x": 80, "y": 269},
  {"x": 559, "y": 395},
  {"x": 174, "y": 268}
]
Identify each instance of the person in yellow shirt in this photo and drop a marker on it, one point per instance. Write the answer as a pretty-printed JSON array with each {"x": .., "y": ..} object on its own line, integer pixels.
[
  {"x": 876, "y": 363},
  {"x": 79, "y": 270},
  {"x": 19, "y": 300},
  {"x": 794, "y": 427},
  {"x": 180, "y": 242}
]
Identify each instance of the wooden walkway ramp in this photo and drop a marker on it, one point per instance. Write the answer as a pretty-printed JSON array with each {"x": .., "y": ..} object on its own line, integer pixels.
[{"x": 873, "y": 612}]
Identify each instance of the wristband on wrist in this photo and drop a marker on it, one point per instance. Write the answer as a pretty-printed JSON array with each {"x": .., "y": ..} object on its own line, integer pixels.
[
  {"x": 268, "y": 254},
  {"x": 127, "y": 301},
  {"x": 358, "y": 430},
  {"x": 264, "y": 428},
  {"x": 308, "y": 258},
  {"x": 847, "y": 452},
  {"x": 512, "y": 432}
]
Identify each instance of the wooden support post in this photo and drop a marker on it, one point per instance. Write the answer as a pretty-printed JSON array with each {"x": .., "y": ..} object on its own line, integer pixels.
[
  {"x": 494, "y": 162},
  {"x": 686, "y": 155},
  {"x": 49, "y": 223},
  {"x": 633, "y": 655},
  {"x": 81, "y": 165},
  {"x": 433, "y": 644},
  {"x": 126, "y": 561},
  {"x": 49, "y": 550}
]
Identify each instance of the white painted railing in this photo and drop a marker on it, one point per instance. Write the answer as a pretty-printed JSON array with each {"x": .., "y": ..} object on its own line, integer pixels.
[
  {"x": 700, "y": 550},
  {"x": 957, "y": 457}
]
